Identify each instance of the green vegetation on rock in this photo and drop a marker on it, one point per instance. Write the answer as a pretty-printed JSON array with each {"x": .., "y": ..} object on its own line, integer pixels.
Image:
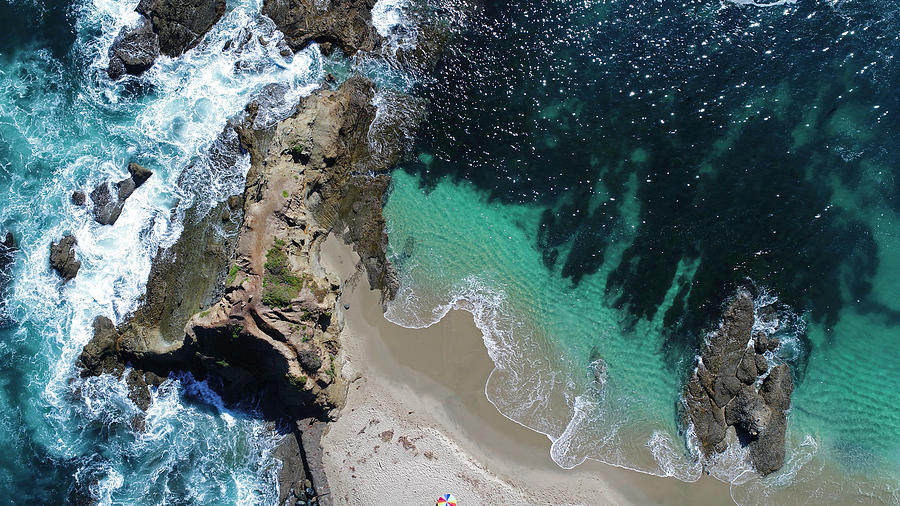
[
  {"x": 279, "y": 284},
  {"x": 297, "y": 381},
  {"x": 232, "y": 274}
]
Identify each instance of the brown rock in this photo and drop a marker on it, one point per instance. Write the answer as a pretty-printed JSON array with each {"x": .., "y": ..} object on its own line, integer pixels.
[
  {"x": 62, "y": 257},
  {"x": 346, "y": 24}
]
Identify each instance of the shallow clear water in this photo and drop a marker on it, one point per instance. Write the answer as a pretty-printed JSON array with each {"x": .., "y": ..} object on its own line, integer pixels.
[{"x": 596, "y": 178}]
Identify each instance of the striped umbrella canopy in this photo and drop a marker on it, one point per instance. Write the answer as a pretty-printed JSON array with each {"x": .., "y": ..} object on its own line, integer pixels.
[{"x": 446, "y": 500}]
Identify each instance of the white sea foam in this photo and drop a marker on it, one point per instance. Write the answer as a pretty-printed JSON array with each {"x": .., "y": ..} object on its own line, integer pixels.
[
  {"x": 525, "y": 379},
  {"x": 169, "y": 125}
]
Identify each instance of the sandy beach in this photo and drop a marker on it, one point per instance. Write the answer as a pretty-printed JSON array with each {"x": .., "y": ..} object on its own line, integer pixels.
[{"x": 417, "y": 423}]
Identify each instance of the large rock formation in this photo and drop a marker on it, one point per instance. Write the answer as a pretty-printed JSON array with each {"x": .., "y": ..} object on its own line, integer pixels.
[
  {"x": 62, "y": 257},
  {"x": 109, "y": 198},
  {"x": 269, "y": 328},
  {"x": 170, "y": 27},
  {"x": 181, "y": 24},
  {"x": 722, "y": 392},
  {"x": 346, "y": 24}
]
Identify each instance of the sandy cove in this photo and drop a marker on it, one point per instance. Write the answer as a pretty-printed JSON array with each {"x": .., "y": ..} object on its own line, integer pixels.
[{"x": 417, "y": 423}]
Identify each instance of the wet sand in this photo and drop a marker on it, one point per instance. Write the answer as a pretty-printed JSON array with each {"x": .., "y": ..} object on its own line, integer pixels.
[{"x": 418, "y": 424}]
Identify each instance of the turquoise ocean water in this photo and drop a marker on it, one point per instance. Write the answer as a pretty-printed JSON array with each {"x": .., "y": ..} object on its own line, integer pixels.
[
  {"x": 594, "y": 179},
  {"x": 597, "y": 178}
]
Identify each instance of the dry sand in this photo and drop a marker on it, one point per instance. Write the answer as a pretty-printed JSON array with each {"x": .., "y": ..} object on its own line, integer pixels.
[{"x": 417, "y": 423}]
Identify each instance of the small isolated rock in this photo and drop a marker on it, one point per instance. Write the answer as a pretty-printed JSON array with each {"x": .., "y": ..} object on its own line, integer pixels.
[
  {"x": 62, "y": 257},
  {"x": 346, "y": 306},
  {"x": 78, "y": 198}
]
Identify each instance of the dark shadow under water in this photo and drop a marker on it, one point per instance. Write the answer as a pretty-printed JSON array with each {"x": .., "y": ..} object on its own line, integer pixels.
[{"x": 731, "y": 126}]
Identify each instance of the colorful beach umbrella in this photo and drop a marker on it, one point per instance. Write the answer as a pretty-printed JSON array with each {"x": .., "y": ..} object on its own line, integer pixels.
[{"x": 446, "y": 500}]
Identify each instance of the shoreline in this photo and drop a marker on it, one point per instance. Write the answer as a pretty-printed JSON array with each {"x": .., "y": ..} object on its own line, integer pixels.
[{"x": 418, "y": 424}]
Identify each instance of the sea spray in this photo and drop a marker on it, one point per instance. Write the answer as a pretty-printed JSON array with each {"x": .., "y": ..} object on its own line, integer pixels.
[{"x": 65, "y": 118}]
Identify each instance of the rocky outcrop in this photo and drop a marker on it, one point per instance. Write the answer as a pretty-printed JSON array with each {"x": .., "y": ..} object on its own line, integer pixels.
[
  {"x": 346, "y": 24},
  {"x": 133, "y": 51},
  {"x": 722, "y": 392},
  {"x": 183, "y": 279},
  {"x": 180, "y": 24},
  {"x": 169, "y": 27},
  {"x": 109, "y": 198},
  {"x": 62, "y": 257},
  {"x": 302, "y": 477},
  {"x": 266, "y": 326}
]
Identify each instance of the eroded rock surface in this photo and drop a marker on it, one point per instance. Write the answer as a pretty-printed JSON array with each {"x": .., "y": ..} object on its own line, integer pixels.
[
  {"x": 62, "y": 257},
  {"x": 168, "y": 27},
  {"x": 346, "y": 24},
  {"x": 180, "y": 24},
  {"x": 133, "y": 51},
  {"x": 722, "y": 392},
  {"x": 109, "y": 198}
]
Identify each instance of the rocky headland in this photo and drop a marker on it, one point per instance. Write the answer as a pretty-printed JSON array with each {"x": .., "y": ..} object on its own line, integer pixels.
[
  {"x": 734, "y": 389},
  {"x": 242, "y": 299},
  {"x": 254, "y": 311}
]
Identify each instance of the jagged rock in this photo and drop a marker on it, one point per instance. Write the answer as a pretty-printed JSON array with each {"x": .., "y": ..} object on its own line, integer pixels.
[
  {"x": 180, "y": 24},
  {"x": 748, "y": 411},
  {"x": 777, "y": 387},
  {"x": 99, "y": 355},
  {"x": 764, "y": 343},
  {"x": 767, "y": 453},
  {"x": 133, "y": 51},
  {"x": 78, "y": 198},
  {"x": 293, "y": 473},
  {"x": 721, "y": 392},
  {"x": 109, "y": 198},
  {"x": 139, "y": 173},
  {"x": 346, "y": 24},
  {"x": 62, "y": 257},
  {"x": 761, "y": 364},
  {"x": 747, "y": 371},
  {"x": 708, "y": 419}
]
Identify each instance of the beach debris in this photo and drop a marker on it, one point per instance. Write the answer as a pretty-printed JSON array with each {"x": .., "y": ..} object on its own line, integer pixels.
[{"x": 446, "y": 500}]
